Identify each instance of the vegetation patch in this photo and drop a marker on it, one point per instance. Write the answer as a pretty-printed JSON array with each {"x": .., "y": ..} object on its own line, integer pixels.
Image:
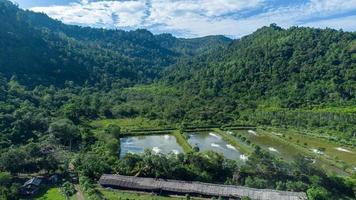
[
  {"x": 128, "y": 124},
  {"x": 182, "y": 141},
  {"x": 55, "y": 193}
]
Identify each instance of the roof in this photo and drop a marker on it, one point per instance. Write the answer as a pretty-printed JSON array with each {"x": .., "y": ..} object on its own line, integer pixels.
[
  {"x": 33, "y": 181},
  {"x": 206, "y": 189}
]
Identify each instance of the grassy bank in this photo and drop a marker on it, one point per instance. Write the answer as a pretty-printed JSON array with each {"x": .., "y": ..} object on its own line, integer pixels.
[
  {"x": 54, "y": 193},
  {"x": 182, "y": 141},
  {"x": 129, "y": 123}
]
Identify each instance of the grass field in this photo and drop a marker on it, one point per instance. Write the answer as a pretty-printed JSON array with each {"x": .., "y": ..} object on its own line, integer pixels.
[
  {"x": 128, "y": 123},
  {"x": 124, "y": 195},
  {"x": 52, "y": 194}
]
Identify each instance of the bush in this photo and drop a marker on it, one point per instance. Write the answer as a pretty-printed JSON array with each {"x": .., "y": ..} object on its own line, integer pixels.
[
  {"x": 68, "y": 189},
  {"x": 5, "y": 178},
  {"x": 296, "y": 186},
  {"x": 113, "y": 130},
  {"x": 318, "y": 193},
  {"x": 256, "y": 182}
]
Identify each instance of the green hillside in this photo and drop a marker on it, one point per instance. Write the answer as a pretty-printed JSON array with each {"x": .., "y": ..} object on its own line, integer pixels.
[{"x": 69, "y": 94}]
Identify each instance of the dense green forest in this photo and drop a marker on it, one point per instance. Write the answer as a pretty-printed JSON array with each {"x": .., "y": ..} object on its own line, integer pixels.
[
  {"x": 52, "y": 52},
  {"x": 56, "y": 78}
]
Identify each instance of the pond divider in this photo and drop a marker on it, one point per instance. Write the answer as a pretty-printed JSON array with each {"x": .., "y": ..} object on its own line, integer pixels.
[
  {"x": 137, "y": 132},
  {"x": 182, "y": 141},
  {"x": 239, "y": 127},
  {"x": 233, "y": 141},
  {"x": 222, "y": 127}
]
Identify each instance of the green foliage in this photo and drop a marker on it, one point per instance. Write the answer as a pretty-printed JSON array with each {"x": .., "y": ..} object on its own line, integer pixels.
[
  {"x": 65, "y": 131},
  {"x": 9, "y": 191},
  {"x": 211, "y": 167},
  {"x": 182, "y": 141},
  {"x": 53, "y": 193},
  {"x": 87, "y": 185},
  {"x": 114, "y": 130},
  {"x": 5, "y": 178},
  {"x": 56, "y": 78},
  {"x": 32, "y": 157},
  {"x": 255, "y": 182},
  {"x": 92, "y": 164},
  {"x": 68, "y": 189},
  {"x": 49, "y": 52},
  {"x": 318, "y": 193}
]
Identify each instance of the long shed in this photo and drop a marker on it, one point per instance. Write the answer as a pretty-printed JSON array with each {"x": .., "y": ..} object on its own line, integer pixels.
[{"x": 195, "y": 188}]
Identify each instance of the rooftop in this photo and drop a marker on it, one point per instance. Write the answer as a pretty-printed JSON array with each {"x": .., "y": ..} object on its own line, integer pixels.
[{"x": 196, "y": 188}]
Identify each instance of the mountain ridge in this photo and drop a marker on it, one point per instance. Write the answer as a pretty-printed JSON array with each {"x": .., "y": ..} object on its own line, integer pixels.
[{"x": 135, "y": 56}]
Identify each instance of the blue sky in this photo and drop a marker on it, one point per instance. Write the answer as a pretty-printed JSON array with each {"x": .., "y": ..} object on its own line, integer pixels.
[{"x": 194, "y": 18}]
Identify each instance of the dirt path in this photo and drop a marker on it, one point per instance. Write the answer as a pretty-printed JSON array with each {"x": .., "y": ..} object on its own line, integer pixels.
[{"x": 80, "y": 195}]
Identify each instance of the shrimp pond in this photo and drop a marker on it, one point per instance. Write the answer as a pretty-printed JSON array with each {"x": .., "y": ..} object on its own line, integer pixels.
[{"x": 157, "y": 143}]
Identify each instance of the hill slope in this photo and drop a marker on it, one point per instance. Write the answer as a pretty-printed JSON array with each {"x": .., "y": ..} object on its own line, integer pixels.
[
  {"x": 288, "y": 68},
  {"x": 40, "y": 50}
]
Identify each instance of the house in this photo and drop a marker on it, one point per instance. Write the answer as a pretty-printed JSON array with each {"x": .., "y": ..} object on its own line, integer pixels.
[
  {"x": 53, "y": 179},
  {"x": 31, "y": 187},
  {"x": 176, "y": 187}
]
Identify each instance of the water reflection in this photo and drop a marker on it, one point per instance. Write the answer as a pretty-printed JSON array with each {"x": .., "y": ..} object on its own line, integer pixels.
[
  {"x": 213, "y": 142},
  {"x": 157, "y": 143}
]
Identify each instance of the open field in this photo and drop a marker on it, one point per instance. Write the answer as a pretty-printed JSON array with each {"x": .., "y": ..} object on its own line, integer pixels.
[
  {"x": 128, "y": 123},
  {"x": 54, "y": 193}
]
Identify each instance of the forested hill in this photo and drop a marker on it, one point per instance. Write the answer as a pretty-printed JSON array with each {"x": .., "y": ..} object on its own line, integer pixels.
[
  {"x": 40, "y": 50},
  {"x": 275, "y": 67}
]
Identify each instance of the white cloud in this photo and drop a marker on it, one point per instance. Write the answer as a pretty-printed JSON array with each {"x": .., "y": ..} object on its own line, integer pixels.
[
  {"x": 346, "y": 23},
  {"x": 191, "y": 18},
  {"x": 128, "y": 13}
]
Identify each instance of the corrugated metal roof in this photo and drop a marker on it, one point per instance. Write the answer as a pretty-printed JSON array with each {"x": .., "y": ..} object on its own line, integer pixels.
[
  {"x": 187, "y": 187},
  {"x": 33, "y": 181}
]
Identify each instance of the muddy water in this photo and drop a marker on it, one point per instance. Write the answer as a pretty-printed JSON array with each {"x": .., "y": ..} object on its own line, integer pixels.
[
  {"x": 273, "y": 145},
  {"x": 286, "y": 149}
]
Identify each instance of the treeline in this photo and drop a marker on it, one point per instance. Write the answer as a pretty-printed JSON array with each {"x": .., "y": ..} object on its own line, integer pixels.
[
  {"x": 40, "y": 50},
  {"x": 339, "y": 126},
  {"x": 262, "y": 170},
  {"x": 274, "y": 77},
  {"x": 291, "y": 68}
]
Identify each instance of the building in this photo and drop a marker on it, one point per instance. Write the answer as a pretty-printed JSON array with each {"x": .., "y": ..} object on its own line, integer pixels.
[
  {"x": 31, "y": 187},
  {"x": 163, "y": 186}
]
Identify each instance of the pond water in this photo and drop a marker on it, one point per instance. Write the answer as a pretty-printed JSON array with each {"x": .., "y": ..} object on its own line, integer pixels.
[
  {"x": 157, "y": 143},
  {"x": 274, "y": 146},
  {"x": 214, "y": 142},
  {"x": 288, "y": 152},
  {"x": 332, "y": 150}
]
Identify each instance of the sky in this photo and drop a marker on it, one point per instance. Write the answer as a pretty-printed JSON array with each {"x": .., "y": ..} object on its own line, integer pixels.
[{"x": 196, "y": 18}]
